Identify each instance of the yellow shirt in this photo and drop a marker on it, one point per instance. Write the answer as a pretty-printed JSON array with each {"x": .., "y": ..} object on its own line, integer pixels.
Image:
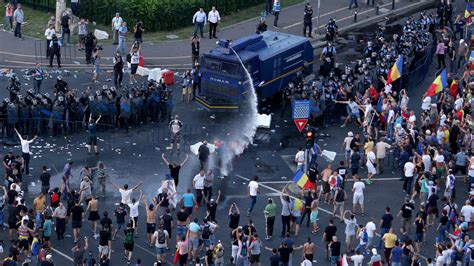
[
  {"x": 389, "y": 240},
  {"x": 39, "y": 204},
  {"x": 368, "y": 146}
]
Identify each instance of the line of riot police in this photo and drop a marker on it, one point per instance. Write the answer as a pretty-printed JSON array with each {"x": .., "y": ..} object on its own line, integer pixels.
[{"x": 66, "y": 111}]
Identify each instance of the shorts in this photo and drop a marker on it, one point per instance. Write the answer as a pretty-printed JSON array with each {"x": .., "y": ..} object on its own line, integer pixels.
[
  {"x": 313, "y": 216},
  {"x": 23, "y": 244},
  {"x": 355, "y": 115},
  {"x": 96, "y": 69},
  {"x": 181, "y": 230},
  {"x": 419, "y": 237},
  {"x": 296, "y": 219},
  {"x": 175, "y": 137},
  {"x": 104, "y": 249},
  {"x": 128, "y": 246},
  {"x": 93, "y": 216},
  {"x": 325, "y": 187},
  {"x": 133, "y": 69},
  {"x": 371, "y": 169},
  {"x": 150, "y": 228},
  {"x": 134, "y": 221},
  {"x": 358, "y": 199},
  {"x": 46, "y": 238},
  {"x": 81, "y": 37},
  {"x": 76, "y": 224},
  {"x": 120, "y": 225},
  {"x": 193, "y": 243},
  {"x": 12, "y": 225},
  {"x": 187, "y": 90},
  {"x": 189, "y": 210},
  {"x": 92, "y": 141},
  {"x": 254, "y": 258},
  {"x": 160, "y": 251},
  {"x": 354, "y": 171},
  {"x": 350, "y": 238},
  {"x": 207, "y": 243},
  {"x": 339, "y": 204}
]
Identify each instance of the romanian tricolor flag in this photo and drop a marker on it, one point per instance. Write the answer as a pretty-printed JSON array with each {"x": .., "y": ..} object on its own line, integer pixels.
[
  {"x": 438, "y": 84},
  {"x": 302, "y": 180},
  {"x": 396, "y": 70},
  {"x": 454, "y": 88},
  {"x": 467, "y": 13}
]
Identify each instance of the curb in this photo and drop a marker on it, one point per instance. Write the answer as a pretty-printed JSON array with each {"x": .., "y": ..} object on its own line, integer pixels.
[{"x": 413, "y": 8}]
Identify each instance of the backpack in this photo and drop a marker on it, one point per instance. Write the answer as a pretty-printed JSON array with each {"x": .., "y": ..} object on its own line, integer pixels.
[
  {"x": 365, "y": 236},
  {"x": 54, "y": 198},
  {"x": 161, "y": 237},
  {"x": 243, "y": 251},
  {"x": 35, "y": 247},
  {"x": 453, "y": 214},
  {"x": 206, "y": 232},
  {"x": 129, "y": 237},
  {"x": 129, "y": 58}
]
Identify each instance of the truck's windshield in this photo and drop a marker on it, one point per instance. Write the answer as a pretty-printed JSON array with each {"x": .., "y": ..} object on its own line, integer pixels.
[{"x": 223, "y": 67}]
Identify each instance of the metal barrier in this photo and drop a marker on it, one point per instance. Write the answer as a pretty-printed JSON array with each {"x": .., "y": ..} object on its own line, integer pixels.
[{"x": 68, "y": 52}]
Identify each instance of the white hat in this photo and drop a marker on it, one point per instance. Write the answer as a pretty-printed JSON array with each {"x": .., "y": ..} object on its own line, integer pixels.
[
  {"x": 461, "y": 41},
  {"x": 428, "y": 132},
  {"x": 374, "y": 251},
  {"x": 350, "y": 134},
  {"x": 49, "y": 257}
]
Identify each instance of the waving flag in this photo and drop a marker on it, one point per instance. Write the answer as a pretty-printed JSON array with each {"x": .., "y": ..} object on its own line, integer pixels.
[
  {"x": 467, "y": 13},
  {"x": 454, "y": 88},
  {"x": 302, "y": 180},
  {"x": 438, "y": 84},
  {"x": 396, "y": 70}
]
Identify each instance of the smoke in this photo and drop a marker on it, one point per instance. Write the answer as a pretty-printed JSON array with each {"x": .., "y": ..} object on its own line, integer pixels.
[{"x": 242, "y": 132}]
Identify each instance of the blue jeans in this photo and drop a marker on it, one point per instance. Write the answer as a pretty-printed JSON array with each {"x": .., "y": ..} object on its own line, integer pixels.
[
  {"x": 2, "y": 218},
  {"x": 253, "y": 201},
  {"x": 390, "y": 131},
  {"x": 353, "y": 2},
  {"x": 199, "y": 26},
  {"x": 362, "y": 249},
  {"x": 383, "y": 231},
  {"x": 470, "y": 181},
  {"x": 442, "y": 233},
  {"x": 38, "y": 219},
  {"x": 121, "y": 45},
  {"x": 8, "y": 21},
  {"x": 334, "y": 260}
]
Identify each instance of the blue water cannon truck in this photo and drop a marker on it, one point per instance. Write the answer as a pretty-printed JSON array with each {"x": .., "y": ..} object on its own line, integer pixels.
[{"x": 273, "y": 59}]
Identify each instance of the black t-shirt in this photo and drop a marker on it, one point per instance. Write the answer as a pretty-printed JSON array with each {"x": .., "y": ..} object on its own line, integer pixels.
[
  {"x": 90, "y": 261},
  {"x": 8, "y": 159},
  {"x": 246, "y": 229},
  {"x": 203, "y": 152},
  {"x": 212, "y": 209},
  {"x": 77, "y": 212},
  {"x": 285, "y": 254},
  {"x": 387, "y": 220},
  {"x": 308, "y": 199},
  {"x": 419, "y": 224},
  {"x": 106, "y": 223},
  {"x": 104, "y": 236},
  {"x": 11, "y": 196},
  {"x": 138, "y": 32},
  {"x": 330, "y": 231},
  {"x": 163, "y": 196},
  {"x": 433, "y": 201},
  {"x": 275, "y": 260},
  {"x": 234, "y": 220},
  {"x": 443, "y": 220},
  {"x": 167, "y": 219},
  {"x": 65, "y": 21},
  {"x": 340, "y": 196},
  {"x": 182, "y": 216},
  {"x": 210, "y": 256},
  {"x": 335, "y": 248},
  {"x": 120, "y": 213},
  {"x": 174, "y": 171},
  {"x": 104, "y": 262},
  {"x": 45, "y": 177},
  {"x": 407, "y": 210},
  {"x": 12, "y": 213}
]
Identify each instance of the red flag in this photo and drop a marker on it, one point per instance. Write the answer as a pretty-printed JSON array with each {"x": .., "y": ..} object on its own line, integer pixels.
[{"x": 454, "y": 88}]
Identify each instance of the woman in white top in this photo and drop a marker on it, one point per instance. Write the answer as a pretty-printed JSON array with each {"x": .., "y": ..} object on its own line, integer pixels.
[
  {"x": 134, "y": 212},
  {"x": 134, "y": 61}
]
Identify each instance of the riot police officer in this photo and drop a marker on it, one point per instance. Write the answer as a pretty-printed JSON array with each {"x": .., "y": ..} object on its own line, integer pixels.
[
  {"x": 13, "y": 87},
  {"x": 331, "y": 30},
  {"x": 308, "y": 20},
  {"x": 61, "y": 86},
  {"x": 55, "y": 50}
]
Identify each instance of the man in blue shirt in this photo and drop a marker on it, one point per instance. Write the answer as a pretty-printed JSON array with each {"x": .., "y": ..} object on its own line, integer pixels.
[{"x": 122, "y": 34}]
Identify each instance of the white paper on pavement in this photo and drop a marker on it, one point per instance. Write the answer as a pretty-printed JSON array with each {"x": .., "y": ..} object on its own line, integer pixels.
[
  {"x": 264, "y": 121},
  {"x": 328, "y": 155},
  {"x": 101, "y": 35},
  {"x": 169, "y": 184},
  {"x": 195, "y": 147}
]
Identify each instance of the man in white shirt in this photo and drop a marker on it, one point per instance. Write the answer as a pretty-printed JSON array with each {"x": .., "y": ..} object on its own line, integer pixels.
[
  {"x": 409, "y": 170},
  {"x": 116, "y": 24},
  {"x": 371, "y": 228},
  {"x": 358, "y": 197},
  {"x": 213, "y": 17},
  {"x": 300, "y": 159},
  {"x": 198, "y": 185},
  {"x": 25, "y": 150},
  {"x": 252, "y": 190},
  {"x": 390, "y": 122},
  {"x": 125, "y": 192},
  {"x": 371, "y": 159},
  {"x": 48, "y": 33},
  {"x": 466, "y": 211},
  {"x": 346, "y": 144},
  {"x": 199, "y": 21},
  {"x": 425, "y": 105}
]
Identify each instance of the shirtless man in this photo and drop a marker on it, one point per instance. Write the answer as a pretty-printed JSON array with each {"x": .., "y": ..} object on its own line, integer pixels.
[
  {"x": 182, "y": 220},
  {"x": 308, "y": 250},
  {"x": 325, "y": 188},
  {"x": 150, "y": 220},
  {"x": 93, "y": 214}
]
